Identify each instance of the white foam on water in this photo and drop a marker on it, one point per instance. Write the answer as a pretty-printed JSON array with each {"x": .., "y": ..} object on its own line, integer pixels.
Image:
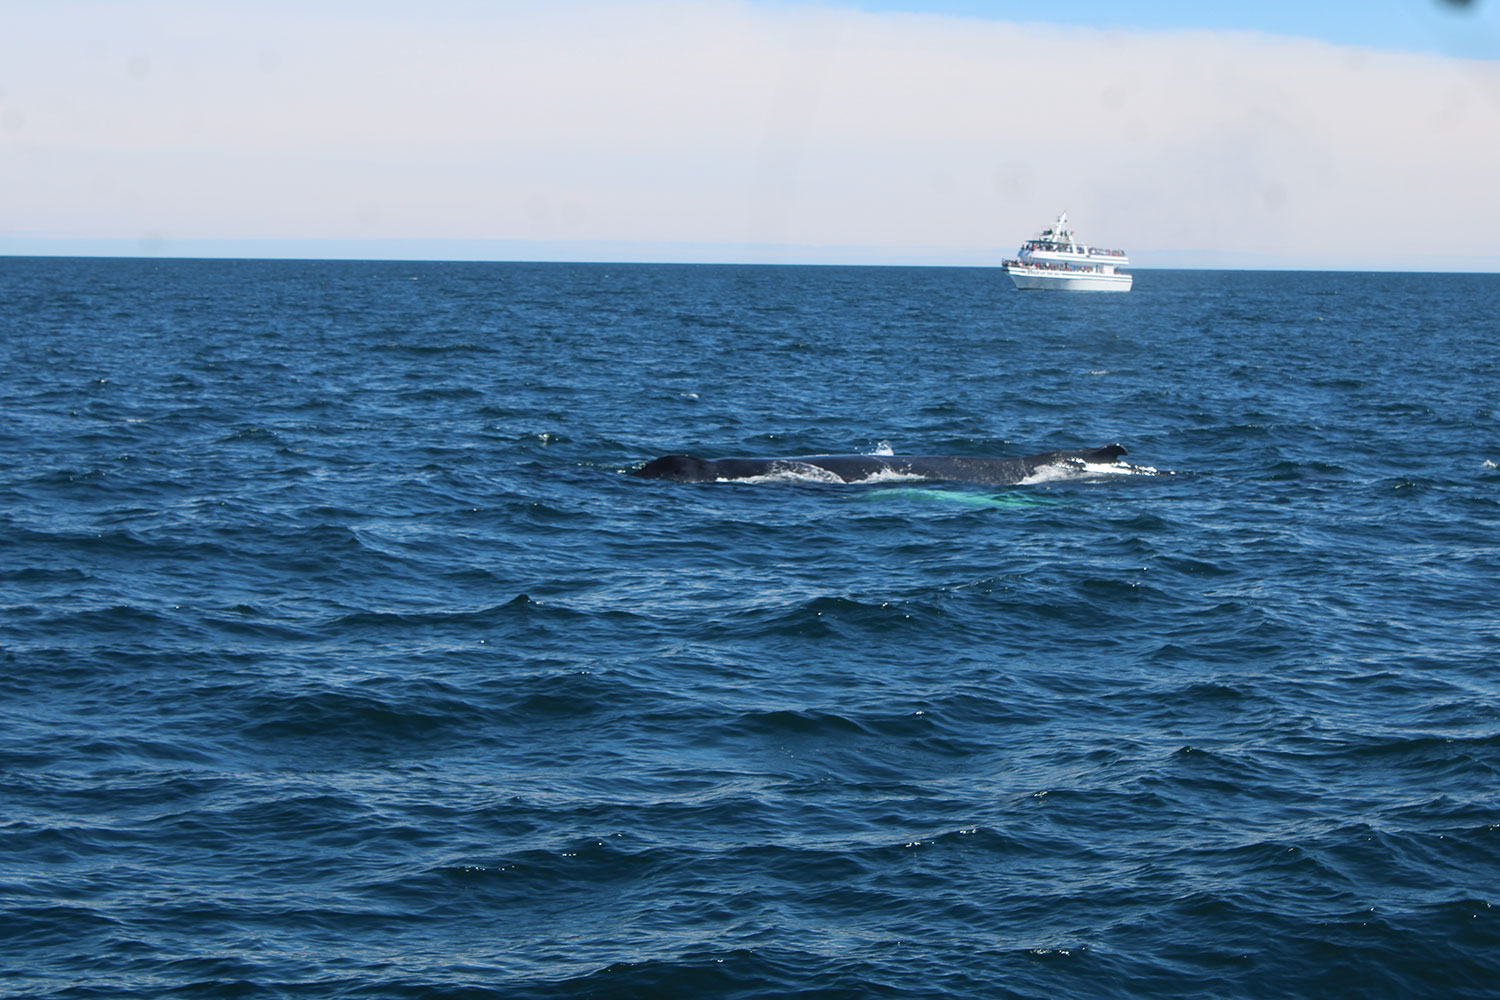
[
  {"x": 892, "y": 476},
  {"x": 1072, "y": 468},
  {"x": 790, "y": 472}
]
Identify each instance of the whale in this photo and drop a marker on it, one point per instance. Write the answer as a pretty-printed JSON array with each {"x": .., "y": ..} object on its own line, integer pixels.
[{"x": 864, "y": 468}]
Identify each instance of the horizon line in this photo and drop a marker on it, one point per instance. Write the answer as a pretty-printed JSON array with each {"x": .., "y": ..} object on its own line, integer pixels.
[
  {"x": 653, "y": 262},
  {"x": 473, "y": 250}
]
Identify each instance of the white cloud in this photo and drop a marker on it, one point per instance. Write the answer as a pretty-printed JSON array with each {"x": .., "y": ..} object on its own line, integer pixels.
[{"x": 734, "y": 123}]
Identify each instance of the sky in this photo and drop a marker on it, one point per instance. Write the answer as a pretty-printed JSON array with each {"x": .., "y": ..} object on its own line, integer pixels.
[{"x": 1342, "y": 134}]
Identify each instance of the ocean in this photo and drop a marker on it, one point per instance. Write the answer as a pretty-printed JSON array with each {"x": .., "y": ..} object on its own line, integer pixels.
[{"x": 340, "y": 658}]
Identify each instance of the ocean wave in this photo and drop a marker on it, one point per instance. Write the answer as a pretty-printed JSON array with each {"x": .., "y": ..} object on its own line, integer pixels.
[
  {"x": 355, "y": 719},
  {"x": 336, "y": 660},
  {"x": 821, "y": 617}
]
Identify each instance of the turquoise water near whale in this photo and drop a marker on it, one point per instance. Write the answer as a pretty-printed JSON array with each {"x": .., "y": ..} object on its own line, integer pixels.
[{"x": 339, "y": 659}]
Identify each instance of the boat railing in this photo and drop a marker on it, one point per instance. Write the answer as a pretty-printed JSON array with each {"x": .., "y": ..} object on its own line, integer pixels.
[
  {"x": 1034, "y": 246},
  {"x": 1047, "y": 265}
]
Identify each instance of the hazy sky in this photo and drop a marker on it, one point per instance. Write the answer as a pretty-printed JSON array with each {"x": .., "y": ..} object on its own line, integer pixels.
[{"x": 1363, "y": 133}]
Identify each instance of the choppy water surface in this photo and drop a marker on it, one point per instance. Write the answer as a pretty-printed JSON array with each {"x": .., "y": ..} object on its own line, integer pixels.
[{"x": 338, "y": 658}]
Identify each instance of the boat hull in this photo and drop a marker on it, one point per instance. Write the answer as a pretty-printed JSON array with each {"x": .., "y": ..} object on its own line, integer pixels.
[{"x": 1068, "y": 281}]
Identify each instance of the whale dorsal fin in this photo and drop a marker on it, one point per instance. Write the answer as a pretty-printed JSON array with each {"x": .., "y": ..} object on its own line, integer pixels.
[{"x": 1108, "y": 453}]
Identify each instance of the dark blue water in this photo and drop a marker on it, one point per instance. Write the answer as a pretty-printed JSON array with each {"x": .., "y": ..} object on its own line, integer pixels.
[{"x": 338, "y": 659}]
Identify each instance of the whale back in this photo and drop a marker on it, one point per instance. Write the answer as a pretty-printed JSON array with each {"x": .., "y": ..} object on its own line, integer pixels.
[
  {"x": 679, "y": 469},
  {"x": 1093, "y": 456},
  {"x": 858, "y": 468},
  {"x": 861, "y": 468}
]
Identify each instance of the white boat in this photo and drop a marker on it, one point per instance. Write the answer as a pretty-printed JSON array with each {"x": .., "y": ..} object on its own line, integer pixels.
[{"x": 1055, "y": 259}]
